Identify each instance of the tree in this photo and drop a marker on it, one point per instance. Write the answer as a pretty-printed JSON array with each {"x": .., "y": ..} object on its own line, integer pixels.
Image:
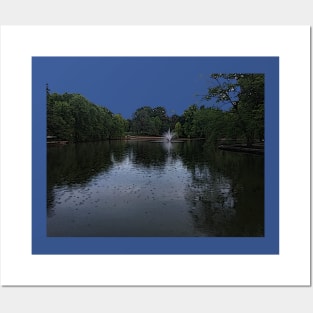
[
  {"x": 178, "y": 130},
  {"x": 150, "y": 121},
  {"x": 251, "y": 100},
  {"x": 173, "y": 120},
  {"x": 47, "y": 93},
  {"x": 188, "y": 117},
  {"x": 141, "y": 120},
  {"x": 72, "y": 117},
  {"x": 245, "y": 94},
  {"x": 210, "y": 123},
  {"x": 117, "y": 130},
  {"x": 160, "y": 113}
]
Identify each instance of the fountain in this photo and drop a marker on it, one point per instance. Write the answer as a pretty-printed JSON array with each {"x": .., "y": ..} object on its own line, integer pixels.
[{"x": 168, "y": 136}]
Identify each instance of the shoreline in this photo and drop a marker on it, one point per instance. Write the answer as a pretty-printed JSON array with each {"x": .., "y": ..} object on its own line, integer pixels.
[
  {"x": 153, "y": 138},
  {"x": 256, "y": 149}
]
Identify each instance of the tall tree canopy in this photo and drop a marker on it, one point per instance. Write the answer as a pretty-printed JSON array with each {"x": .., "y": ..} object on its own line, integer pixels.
[
  {"x": 245, "y": 94},
  {"x": 72, "y": 117},
  {"x": 150, "y": 121}
]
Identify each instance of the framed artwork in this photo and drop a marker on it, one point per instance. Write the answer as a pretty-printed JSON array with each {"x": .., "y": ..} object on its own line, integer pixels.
[{"x": 162, "y": 210}]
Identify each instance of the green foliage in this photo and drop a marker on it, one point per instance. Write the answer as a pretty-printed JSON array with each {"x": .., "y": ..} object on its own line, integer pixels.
[
  {"x": 251, "y": 105},
  {"x": 72, "y": 117},
  {"x": 178, "y": 130},
  {"x": 118, "y": 127},
  {"x": 245, "y": 93},
  {"x": 225, "y": 88},
  {"x": 189, "y": 127},
  {"x": 210, "y": 123},
  {"x": 150, "y": 121}
]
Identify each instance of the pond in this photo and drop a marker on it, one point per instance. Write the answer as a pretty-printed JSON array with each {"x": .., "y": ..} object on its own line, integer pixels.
[{"x": 153, "y": 189}]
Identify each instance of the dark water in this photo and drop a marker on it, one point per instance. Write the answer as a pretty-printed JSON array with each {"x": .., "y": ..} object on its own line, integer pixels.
[{"x": 153, "y": 189}]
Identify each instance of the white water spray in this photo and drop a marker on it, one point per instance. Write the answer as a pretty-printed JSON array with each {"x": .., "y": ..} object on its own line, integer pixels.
[{"x": 168, "y": 136}]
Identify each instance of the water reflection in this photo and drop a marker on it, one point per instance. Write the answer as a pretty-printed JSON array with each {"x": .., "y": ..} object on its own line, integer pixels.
[
  {"x": 153, "y": 189},
  {"x": 227, "y": 192},
  {"x": 167, "y": 146},
  {"x": 212, "y": 202},
  {"x": 75, "y": 165},
  {"x": 148, "y": 154}
]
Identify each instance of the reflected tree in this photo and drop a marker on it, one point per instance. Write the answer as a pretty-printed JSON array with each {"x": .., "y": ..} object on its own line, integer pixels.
[{"x": 227, "y": 192}]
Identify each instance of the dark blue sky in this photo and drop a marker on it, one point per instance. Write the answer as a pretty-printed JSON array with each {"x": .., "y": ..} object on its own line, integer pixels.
[{"x": 123, "y": 84}]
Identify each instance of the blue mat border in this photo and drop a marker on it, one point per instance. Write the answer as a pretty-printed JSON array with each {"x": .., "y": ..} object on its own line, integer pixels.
[{"x": 269, "y": 244}]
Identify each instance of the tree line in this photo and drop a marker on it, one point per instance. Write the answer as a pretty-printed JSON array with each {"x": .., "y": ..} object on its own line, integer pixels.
[
  {"x": 235, "y": 111},
  {"x": 72, "y": 117}
]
